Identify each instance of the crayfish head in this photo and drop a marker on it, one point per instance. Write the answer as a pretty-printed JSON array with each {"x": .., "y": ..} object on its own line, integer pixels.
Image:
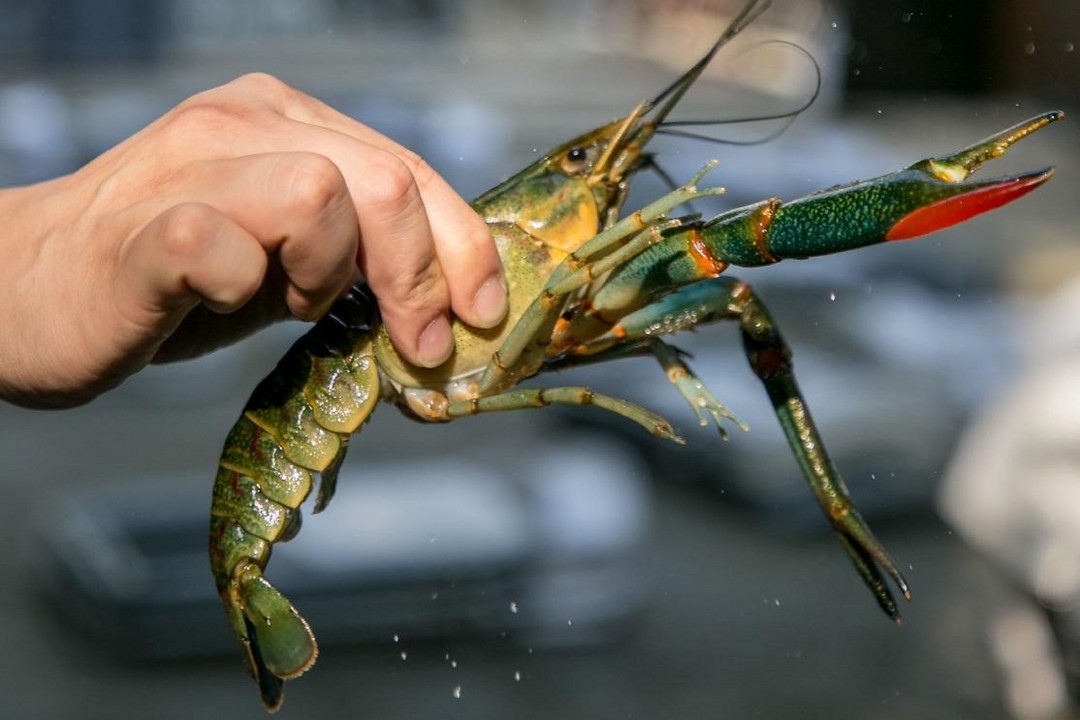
[
  {"x": 564, "y": 198},
  {"x": 579, "y": 187}
]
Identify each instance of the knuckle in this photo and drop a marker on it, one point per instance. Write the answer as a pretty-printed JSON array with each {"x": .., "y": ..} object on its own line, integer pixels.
[
  {"x": 269, "y": 91},
  {"x": 476, "y": 239},
  {"x": 236, "y": 102},
  {"x": 208, "y": 112},
  {"x": 313, "y": 185},
  {"x": 422, "y": 173},
  {"x": 260, "y": 83},
  {"x": 186, "y": 230},
  {"x": 422, "y": 290},
  {"x": 306, "y": 305},
  {"x": 395, "y": 185}
]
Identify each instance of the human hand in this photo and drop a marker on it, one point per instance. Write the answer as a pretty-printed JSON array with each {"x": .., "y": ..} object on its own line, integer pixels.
[{"x": 240, "y": 206}]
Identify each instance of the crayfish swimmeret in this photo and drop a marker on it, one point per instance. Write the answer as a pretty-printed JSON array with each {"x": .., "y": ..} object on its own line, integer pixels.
[{"x": 584, "y": 285}]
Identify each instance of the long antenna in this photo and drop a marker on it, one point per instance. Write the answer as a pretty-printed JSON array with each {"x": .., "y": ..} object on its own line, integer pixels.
[{"x": 674, "y": 92}]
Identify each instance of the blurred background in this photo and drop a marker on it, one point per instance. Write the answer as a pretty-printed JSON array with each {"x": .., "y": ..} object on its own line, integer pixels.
[{"x": 559, "y": 564}]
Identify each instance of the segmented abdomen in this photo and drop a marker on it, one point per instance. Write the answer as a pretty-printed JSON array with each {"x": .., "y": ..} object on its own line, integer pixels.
[{"x": 297, "y": 421}]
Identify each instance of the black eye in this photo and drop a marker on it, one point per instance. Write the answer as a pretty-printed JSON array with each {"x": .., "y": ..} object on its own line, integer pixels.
[{"x": 575, "y": 161}]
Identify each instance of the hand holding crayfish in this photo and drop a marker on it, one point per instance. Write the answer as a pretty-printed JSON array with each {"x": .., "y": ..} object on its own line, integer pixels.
[{"x": 242, "y": 205}]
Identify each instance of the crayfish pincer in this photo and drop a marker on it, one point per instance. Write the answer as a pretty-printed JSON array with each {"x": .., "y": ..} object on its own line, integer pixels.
[{"x": 585, "y": 285}]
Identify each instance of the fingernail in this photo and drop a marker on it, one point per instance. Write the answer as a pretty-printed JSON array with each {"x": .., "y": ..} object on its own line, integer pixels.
[
  {"x": 436, "y": 343},
  {"x": 489, "y": 304}
]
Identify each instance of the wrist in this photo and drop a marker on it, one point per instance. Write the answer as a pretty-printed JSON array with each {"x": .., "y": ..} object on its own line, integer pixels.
[{"x": 26, "y": 279}]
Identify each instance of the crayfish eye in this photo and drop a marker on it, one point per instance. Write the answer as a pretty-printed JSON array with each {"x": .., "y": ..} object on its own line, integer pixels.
[{"x": 576, "y": 160}]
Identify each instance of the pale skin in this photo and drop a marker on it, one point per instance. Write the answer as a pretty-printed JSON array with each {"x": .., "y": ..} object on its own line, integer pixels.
[{"x": 241, "y": 206}]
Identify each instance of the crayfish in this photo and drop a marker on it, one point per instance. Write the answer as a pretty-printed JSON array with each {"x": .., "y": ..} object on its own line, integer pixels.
[{"x": 586, "y": 284}]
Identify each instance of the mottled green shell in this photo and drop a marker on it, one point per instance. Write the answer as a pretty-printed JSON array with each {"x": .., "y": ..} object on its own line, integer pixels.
[{"x": 528, "y": 263}]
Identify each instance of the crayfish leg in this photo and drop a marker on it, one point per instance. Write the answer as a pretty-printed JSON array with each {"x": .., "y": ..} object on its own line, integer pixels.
[
  {"x": 770, "y": 359},
  {"x": 726, "y": 298},
  {"x": 523, "y": 398},
  {"x": 701, "y": 400}
]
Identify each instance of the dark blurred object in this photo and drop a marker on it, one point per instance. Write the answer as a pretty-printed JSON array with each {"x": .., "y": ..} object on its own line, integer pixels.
[
  {"x": 1038, "y": 48},
  {"x": 919, "y": 46},
  {"x": 78, "y": 31},
  {"x": 965, "y": 48}
]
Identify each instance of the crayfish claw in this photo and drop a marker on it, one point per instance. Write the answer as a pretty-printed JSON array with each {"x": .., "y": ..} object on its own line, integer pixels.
[
  {"x": 870, "y": 558},
  {"x": 957, "y": 166}
]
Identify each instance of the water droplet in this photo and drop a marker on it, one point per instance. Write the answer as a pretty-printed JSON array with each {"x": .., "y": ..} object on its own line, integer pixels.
[
  {"x": 834, "y": 24},
  {"x": 569, "y": 623},
  {"x": 453, "y": 663},
  {"x": 777, "y": 602},
  {"x": 513, "y": 607},
  {"x": 832, "y": 296},
  {"x": 517, "y": 675},
  {"x": 1029, "y": 48},
  {"x": 396, "y": 638},
  {"x": 457, "y": 691},
  {"x": 435, "y": 595},
  {"x": 404, "y": 655},
  {"x": 1069, "y": 47},
  {"x": 905, "y": 17}
]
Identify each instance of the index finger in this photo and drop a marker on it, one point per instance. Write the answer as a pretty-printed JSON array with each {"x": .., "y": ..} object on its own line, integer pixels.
[{"x": 463, "y": 245}]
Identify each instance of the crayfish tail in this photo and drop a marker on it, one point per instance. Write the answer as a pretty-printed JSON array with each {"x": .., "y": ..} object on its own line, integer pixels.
[
  {"x": 278, "y": 642},
  {"x": 271, "y": 687},
  {"x": 294, "y": 427}
]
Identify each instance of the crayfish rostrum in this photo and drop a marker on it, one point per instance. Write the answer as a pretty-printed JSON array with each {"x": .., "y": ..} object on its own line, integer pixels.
[{"x": 585, "y": 284}]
